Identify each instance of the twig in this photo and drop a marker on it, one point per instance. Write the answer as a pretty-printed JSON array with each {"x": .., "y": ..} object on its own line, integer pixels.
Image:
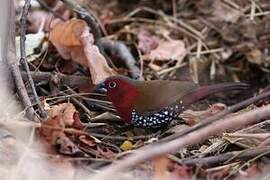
[
  {"x": 167, "y": 70},
  {"x": 246, "y": 164},
  {"x": 69, "y": 80},
  {"x": 23, "y": 56},
  {"x": 259, "y": 14},
  {"x": 223, "y": 158},
  {"x": 174, "y": 8},
  {"x": 121, "y": 138},
  {"x": 260, "y": 136},
  {"x": 73, "y": 131},
  {"x": 141, "y": 61},
  {"x": 56, "y": 156},
  {"x": 45, "y": 6},
  {"x": 13, "y": 65},
  {"x": 216, "y": 50},
  {"x": 252, "y": 10},
  {"x": 150, "y": 21},
  {"x": 166, "y": 18},
  {"x": 84, "y": 108},
  {"x": 85, "y": 15},
  {"x": 190, "y": 138},
  {"x": 79, "y": 95},
  {"x": 106, "y": 105}
]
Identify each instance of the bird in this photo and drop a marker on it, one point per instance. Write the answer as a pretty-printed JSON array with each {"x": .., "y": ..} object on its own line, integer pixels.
[{"x": 155, "y": 103}]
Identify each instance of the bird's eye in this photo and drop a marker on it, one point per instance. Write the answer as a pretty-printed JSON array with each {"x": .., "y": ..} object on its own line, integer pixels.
[{"x": 112, "y": 84}]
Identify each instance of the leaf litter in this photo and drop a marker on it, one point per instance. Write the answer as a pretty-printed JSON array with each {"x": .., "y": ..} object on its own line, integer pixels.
[{"x": 212, "y": 41}]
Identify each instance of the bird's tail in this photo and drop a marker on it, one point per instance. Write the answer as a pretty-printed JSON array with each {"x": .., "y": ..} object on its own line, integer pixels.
[{"x": 204, "y": 91}]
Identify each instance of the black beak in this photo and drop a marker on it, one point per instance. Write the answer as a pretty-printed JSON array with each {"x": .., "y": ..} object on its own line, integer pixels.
[{"x": 100, "y": 88}]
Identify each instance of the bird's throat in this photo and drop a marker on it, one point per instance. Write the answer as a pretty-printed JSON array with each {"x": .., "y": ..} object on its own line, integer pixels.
[{"x": 124, "y": 103}]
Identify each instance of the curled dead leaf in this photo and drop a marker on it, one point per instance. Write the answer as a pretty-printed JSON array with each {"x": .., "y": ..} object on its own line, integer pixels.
[
  {"x": 146, "y": 41},
  {"x": 65, "y": 111},
  {"x": 52, "y": 130},
  {"x": 74, "y": 41},
  {"x": 66, "y": 146},
  {"x": 166, "y": 50},
  {"x": 193, "y": 117}
]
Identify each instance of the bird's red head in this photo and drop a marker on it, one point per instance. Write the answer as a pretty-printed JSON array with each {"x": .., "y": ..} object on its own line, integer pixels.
[{"x": 122, "y": 92}]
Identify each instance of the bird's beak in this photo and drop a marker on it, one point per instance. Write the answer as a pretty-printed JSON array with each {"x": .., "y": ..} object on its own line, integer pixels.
[{"x": 100, "y": 88}]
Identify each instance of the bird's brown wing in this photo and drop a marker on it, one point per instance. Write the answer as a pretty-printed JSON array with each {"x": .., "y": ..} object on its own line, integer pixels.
[{"x": 155, "y": 95}]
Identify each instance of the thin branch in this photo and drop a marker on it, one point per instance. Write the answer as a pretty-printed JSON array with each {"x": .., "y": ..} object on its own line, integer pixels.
[
  {"x": 23, "y": 56},
  {"x": 223, "y": 158},
  {"x": 68, "y": 80},
  {"x": 85, "y": 15},
  {"x": 80, "y": 104},
  {"x": 45, "y": 6},
  {"x": 122, "y": 138},
  {"x": 13, "y": 65}
]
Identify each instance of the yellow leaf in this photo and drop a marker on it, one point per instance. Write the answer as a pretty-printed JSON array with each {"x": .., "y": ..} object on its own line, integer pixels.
[{"x": 127, "y": 145}]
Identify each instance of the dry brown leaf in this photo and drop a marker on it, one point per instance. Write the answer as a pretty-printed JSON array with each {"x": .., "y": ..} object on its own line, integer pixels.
[
  {"x": 96, "y": 148},
  {"x": 252, "y": 172},
  {"x": 193, "y": 117},
  {"x": 97, "y": 64},
  {"x": 65, "y": 111},
  {"x": 73, "y": 41},
  {"x": 146, "y": 41},
  {"x": 224, "y": 12},
  {"x": 105, "y": 152},
  {"x": 160, "y": 164},
  {"x": 254, "y": 56},
  {"x": 218, "y": 11},
  {"x": 66, "y": 146},
  {"x": 52, "y": 130},
  {"x": 220, "y": 174},
  {"x": 87, "y": 140},
  {"x": 166, "y": 50},
  {"x": 180, "y": 172}
]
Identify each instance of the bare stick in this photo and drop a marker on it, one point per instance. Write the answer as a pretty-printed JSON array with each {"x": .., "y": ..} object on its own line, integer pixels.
[
  {"x": 191, "y": 138},
  {"x": 85, "y": 15},
  {"x": 122, "y": 138},
  {"x": 13, "y": 65},
  {"x": 224, "y": 158},
  {"x": 23, "y": 56},
  {"x": 80, "y": 104},
  {"x": 45, "y": 6},
  {"x": 62, "y": 79}
]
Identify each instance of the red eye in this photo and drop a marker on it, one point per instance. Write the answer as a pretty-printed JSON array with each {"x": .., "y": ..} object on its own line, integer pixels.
[{"x": 112, "y": 84}]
